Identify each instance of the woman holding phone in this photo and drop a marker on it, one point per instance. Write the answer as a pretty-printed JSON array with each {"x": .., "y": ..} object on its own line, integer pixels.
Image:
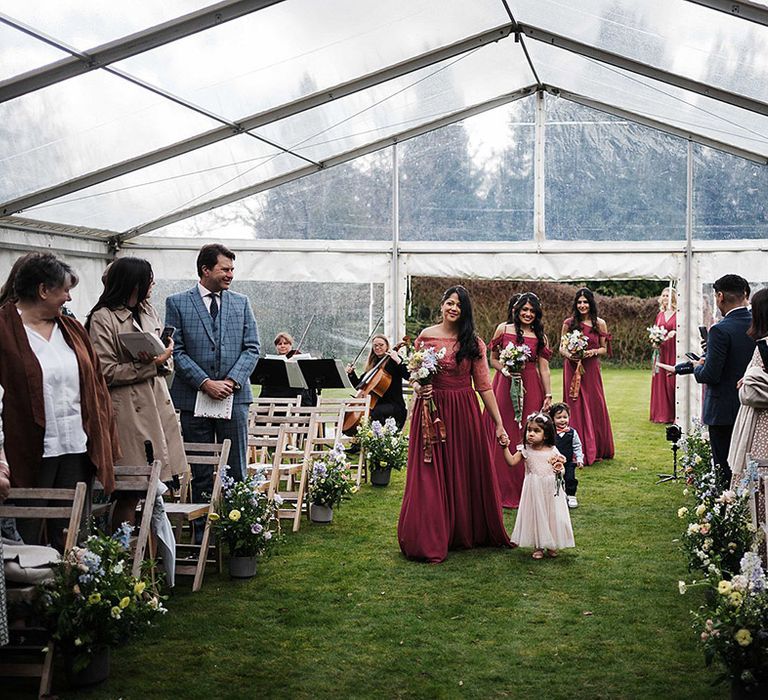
[{"x": 140, "y": 396}]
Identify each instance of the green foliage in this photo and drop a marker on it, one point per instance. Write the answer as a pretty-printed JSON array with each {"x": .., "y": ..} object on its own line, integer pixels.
[
  {"x": 246, "y": 518},
  {"x": 385, "y": 446},
  {"x": 94, "y": 601}
]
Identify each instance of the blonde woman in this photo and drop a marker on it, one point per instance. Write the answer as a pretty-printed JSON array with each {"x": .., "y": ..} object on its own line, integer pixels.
[{"x": 662, "y": 381}]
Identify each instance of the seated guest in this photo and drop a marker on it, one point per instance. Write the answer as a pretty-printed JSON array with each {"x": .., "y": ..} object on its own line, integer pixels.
[
  {"x": 140, "y": 396},
  {"x": 57, "y": 413},
  {"x": 284, "y": 346}
]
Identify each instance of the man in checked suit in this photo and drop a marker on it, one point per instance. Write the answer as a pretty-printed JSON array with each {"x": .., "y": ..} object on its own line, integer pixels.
[
  {"x": 216, "y": 347},
  {"x": 728, "y": 352}
]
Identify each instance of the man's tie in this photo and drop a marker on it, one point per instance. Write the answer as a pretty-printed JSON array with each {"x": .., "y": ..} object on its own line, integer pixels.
[{"x": 214, "y": 307}]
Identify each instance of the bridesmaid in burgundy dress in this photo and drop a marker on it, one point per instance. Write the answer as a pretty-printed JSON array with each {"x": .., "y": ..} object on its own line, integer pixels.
[
  {"x": 663, "y": 382},
  {"x": 453, "y": 501},
  {"x": 589, "y": 413},
  {"x": 524, "y": 326}
]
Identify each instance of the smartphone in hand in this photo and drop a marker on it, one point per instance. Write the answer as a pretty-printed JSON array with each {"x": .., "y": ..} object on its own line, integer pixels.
[
  {"x": 692, "y": 356},
  {"x": 165, "y": 336}
]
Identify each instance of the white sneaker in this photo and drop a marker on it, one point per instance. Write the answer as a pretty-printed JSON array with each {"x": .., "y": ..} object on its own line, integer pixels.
[{"x": 572, "y": 502}]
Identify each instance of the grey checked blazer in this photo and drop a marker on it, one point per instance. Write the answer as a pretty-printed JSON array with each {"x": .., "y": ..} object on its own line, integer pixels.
[{"x": 199, "y": 353}]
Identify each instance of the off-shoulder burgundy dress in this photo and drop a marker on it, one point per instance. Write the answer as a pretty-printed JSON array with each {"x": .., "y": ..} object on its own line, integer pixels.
[
  {"x": 663, "y": 382},
  {"x": 511, "y": 478},
  {"x": 453, "y": 501},
  {"x": 589, "y": 412}
]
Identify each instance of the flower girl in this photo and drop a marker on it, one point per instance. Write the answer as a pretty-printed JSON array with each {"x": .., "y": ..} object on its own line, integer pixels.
[{"x": 543, "y": 521}]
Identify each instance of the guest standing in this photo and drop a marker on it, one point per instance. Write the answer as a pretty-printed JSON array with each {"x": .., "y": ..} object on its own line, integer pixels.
[
  {"x": 589, "y": 413},
  {"x": 524, "y": 326},
  {"x": 216, "y": 350},
  {"x": 662, "y": 381},
  {"x": 391, "y": 404},
  {"x": 140, "y": 396},
  {"x": 729, "y": 350},
  {"x": 5, "y": 487},
  {"x": 284, "y": 346},
  {"x": 452, "y": 501},
  {"x": 57, "y": 413}
]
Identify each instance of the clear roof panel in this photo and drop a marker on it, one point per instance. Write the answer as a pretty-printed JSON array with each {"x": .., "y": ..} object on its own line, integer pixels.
[
  {"x": 85, "y": 24},
  {"x": 20, "y": 52},
  {"x": 82, "y": 124},
  {"x": 133, "y": 199},
  {"x": 400, "y": 104},
  {"x": 650, "y": 98},
  {"x": 269, "y": 57},
  {"x": 674, "y": 35}
]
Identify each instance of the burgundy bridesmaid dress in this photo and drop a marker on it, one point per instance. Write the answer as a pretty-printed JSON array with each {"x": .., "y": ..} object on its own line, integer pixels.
[
  {"x": 589, "y": 413},
  {"x": 663, "y": 382},
  {"x": 453, "y": 501},
  {"x": 511, "y": 478}
]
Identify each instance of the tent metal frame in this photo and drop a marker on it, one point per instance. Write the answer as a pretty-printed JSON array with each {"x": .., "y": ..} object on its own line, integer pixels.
[{"x": 743, "y": 10}]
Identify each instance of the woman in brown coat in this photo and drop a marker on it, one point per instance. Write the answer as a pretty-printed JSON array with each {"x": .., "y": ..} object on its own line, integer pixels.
[{"x": 140, "y": 396}]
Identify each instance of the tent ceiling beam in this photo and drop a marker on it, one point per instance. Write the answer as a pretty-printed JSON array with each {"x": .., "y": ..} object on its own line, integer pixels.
[
  {"x": 125, "y": 47},
  {"x": 743, "y": 10},
  {"x": 257, "y": 120},
  {"x": 328, "y": 163},
  {"x": 655, "y": 124},
  {"x": 643, "y": 69}
]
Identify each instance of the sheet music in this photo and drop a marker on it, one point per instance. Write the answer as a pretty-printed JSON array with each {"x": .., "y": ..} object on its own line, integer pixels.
[{"x": 206, "y": 407}]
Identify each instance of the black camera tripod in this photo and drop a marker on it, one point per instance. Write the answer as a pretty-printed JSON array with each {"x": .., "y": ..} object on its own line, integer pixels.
[{"x": 673, "y": 434}]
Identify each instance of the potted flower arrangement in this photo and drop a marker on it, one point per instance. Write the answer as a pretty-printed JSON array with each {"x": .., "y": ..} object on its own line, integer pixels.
[
  {"x": 329, "y": 484},
  {"x": 93, "y": 603},
  {"x": 696, "y": 458},
  {"x": 245, "y": 519},
  {"x": 386, "y": 448}
]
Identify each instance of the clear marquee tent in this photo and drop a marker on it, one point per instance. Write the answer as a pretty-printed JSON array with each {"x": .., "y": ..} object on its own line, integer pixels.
[{"x": 341, "y": 147}]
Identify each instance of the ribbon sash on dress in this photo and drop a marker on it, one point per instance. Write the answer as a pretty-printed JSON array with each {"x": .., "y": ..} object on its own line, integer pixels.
[{"x": 573, "y": 391}]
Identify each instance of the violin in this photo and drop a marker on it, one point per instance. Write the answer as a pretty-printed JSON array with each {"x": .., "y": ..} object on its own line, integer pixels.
[{"x": 374, "y": 383}]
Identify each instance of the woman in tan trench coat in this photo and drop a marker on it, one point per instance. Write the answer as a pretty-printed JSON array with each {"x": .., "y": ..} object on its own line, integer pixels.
[{"x": 140, "y": 396}]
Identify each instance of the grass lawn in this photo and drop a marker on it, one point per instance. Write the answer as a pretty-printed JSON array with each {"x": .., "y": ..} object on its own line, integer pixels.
[{"x": 338, "y": 612}]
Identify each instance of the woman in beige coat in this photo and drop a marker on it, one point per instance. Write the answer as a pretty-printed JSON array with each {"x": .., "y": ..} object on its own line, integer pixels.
[{"x": 140, "y": 396}]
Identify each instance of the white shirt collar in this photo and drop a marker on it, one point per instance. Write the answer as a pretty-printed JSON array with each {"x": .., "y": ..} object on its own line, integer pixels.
[{"x": 205, "y": 292}]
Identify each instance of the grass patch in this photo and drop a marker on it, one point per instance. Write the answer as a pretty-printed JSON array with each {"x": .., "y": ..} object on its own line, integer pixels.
[{"x": 338, "y": 612}]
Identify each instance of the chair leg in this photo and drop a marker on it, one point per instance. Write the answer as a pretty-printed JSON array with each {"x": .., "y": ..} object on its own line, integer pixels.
[
  {"x": 197, "y": 584},
  {"x": 46, "y": 679}
]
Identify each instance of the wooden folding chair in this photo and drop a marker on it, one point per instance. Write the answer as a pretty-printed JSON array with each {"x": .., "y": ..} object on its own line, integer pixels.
[
  {"x": 184, "y": 513},
  {"x": 332, "y": 415},
  {"x": 21, "y": 658},
  {"x": 265, "y": 413}
]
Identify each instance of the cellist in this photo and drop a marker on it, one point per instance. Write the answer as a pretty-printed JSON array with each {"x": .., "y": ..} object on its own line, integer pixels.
[{"x": 391, "y": 403}]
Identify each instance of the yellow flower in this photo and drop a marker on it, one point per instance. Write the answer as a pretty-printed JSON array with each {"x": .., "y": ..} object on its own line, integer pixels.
[
  {"x": 743, "y": 637},
  {"x": 125, "y": 602},
  {"x": 724, "y": 587},
  {"x": 213, "y": 517},
  {"x": 139, "y": 587},
  {"x": 735, "y": 599},
  {"x": 94, "y": 598},
  {"x": 682, "y": 512},
  {"x": 234, "y": 514},
  {"x": 116, "y": 612},
  {"x": 701, "y": 509}
]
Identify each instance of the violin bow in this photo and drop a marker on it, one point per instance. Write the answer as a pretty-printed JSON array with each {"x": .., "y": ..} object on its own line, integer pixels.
[
  {"x": 373, "y": 332},
  {"x": 304, "y": 334}
]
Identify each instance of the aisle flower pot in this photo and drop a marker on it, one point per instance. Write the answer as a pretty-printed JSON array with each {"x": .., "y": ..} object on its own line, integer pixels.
[
  {"x": 381, "y": 477},
  {"x": 97, "y": 670},
  {"x": 243, "y": 567},
  {"x": 320, "y": 514}
]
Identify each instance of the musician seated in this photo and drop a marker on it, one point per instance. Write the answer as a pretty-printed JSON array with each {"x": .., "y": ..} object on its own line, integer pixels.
[
  {"x": 390, "y": 402},
  {"x": 284, "y": 346}
]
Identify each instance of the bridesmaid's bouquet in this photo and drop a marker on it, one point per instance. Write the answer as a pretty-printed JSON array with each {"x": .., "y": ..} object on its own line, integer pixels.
[
  {"x": 575, "y": 344},
  {"x": 513, "y": 358},
  {"x": 423, "y": 364},
  {"x": 656, "y": 335}
]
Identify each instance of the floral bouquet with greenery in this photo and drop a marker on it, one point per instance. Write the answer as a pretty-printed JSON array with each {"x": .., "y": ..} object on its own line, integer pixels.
[
  {"x": 385, "y": 446},
  {"x": 93, "y": 600},
  {"x": 245, "y": 518},
  {"x": 575, "y": 344},
  {"x": 513, "y": 358},
  {"x": 329, "y": 478},
  {"x": 735, "y": 629}
]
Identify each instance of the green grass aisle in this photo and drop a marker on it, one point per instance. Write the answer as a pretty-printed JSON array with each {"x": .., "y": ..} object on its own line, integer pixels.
[{"x": 338, "y": 612}]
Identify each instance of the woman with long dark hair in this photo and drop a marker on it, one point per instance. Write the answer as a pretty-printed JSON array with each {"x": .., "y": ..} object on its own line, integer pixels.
[
  {"x": 662, "y": 381},
  {"x": 451, "y": 498},
  {"x": 140, "y": 396},
  {"x": 584, "y": 392},
  {"x": 524, "y": 327}
]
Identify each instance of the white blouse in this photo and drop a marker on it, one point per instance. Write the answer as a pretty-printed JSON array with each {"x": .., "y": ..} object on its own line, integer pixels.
[{"x": 64, "y": 432}]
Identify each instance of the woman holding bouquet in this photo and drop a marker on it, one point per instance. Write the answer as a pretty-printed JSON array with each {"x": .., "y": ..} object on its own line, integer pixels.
[
  {"x": 451, "y": 498},
  {"x": 665, "y": 351},
  {"x": 531, "y": 393},
  {"x": 582, "y": 381}
]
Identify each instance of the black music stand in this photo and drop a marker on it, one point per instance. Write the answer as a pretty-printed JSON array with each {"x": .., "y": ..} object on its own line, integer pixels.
[
  {"x": 324, "y": 374},
  {"x": 278, "y": 373}
]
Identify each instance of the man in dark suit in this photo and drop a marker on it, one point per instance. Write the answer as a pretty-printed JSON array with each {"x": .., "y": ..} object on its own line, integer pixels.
[
  {"x": 728, "y": 352},
  {"x": 216, "y": 347}
]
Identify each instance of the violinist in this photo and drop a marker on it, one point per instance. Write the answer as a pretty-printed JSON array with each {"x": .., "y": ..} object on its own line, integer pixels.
[
  {"x": 284, "y": 346},
  {"x": 390, "y": 403}
]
